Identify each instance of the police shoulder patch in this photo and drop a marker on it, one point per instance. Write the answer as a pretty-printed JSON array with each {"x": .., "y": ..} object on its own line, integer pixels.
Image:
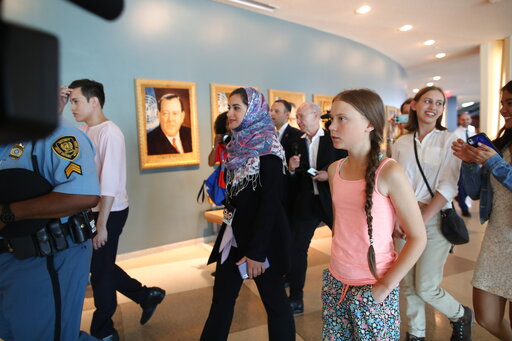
[
  {"x": 66, "y": 147},
  {"x": 72, "y": 168}
]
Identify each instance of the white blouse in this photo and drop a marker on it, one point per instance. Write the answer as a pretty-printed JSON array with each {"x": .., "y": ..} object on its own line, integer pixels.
[{"x": 436, "y": 157}]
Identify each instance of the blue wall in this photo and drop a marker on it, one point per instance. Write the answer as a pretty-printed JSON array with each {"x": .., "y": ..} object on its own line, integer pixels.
[
  {"x": 204, "y": 42},
  {"x": 451, "y": 113}
]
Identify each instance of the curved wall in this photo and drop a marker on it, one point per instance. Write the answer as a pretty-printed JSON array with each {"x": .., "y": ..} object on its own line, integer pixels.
[{"x": 204, "y": 42}]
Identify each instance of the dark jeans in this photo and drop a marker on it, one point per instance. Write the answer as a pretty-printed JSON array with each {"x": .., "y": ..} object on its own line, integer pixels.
[
  {"x": 107, "y": 278},
  {"x": 281, "y": 326},
  {"x": 303, "y": 230},
  {"x": 461, "y": 196}
]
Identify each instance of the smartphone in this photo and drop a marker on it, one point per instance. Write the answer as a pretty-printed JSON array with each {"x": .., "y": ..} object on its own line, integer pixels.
[
  {"x": 483, "y": 139},
  {"x": 243, "y": 268},
  {"x": 312, "y": 171},
  {"x": 401, "y": 118}
]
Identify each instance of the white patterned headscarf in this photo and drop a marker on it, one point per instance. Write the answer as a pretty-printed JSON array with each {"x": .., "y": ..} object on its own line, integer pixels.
[{"x": 254, "y": 137}]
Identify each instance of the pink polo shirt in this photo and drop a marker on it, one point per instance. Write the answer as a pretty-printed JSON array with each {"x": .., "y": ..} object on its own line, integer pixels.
[
  {"x": 350, "y": 241},
  {"x": 110, "y": 161}
]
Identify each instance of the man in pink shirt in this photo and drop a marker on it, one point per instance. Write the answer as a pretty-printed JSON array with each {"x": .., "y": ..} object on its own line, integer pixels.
[{"x": 87, "y": 98}]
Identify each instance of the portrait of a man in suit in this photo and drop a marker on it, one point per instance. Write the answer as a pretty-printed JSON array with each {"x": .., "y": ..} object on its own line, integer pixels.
[{"x": 170, "y": 136}]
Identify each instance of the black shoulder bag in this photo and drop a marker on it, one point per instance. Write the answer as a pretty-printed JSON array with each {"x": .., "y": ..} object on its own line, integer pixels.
[{"x": 453, "y": 227}]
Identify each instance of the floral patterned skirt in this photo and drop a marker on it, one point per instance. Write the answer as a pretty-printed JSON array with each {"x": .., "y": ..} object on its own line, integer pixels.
[{"x": 358, "y": 316}]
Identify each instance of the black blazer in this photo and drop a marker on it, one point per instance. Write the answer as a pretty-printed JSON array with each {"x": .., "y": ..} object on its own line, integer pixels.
[
  {"x": 303, "y": 184},
  {"x": 260, "y": 225},
  {"x": 290, "y": 135},
  {"x": 159, "y": 144}
]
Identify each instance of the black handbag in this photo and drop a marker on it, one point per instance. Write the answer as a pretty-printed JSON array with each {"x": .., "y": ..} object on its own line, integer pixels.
[{"x": 453, "y": 227}]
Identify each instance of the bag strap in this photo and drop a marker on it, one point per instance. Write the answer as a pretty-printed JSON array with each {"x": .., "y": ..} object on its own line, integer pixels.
[
  {"x": 419, "y": 166},
  {"x": 201, "y": 194},
  {"x": 34, "y": 158}
]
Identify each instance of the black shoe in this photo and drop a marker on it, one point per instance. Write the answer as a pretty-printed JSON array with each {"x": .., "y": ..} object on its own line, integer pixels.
[
  {"x": 462, "y": 327},
  {"x": 112, "y": 337},
  {"x": 297, "y": 306},
  {"x": 466, "y": 214},
  {"x": 410, "y": 337},
  {"x": 155, "y": 296}
]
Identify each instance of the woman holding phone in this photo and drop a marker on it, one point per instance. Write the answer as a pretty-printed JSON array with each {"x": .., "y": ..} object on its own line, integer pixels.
[
  {"x": 255, "y": 232},
  {"x": 487, "y": 176}
]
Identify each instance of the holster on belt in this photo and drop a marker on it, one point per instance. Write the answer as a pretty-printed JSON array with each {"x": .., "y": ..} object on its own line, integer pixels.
[
  {"x": 51, "y": 238},
  {"x": 82, "y": 226}
]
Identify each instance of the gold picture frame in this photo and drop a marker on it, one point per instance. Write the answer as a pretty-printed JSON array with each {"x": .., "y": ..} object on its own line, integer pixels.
[
  {"x": 391, "y": 111},
  {"x": 295, "y": 98},
  {"x": 156, "y": 149},
  {"x": 389, "y": 131},
  {"x": 324, "y": 101}
]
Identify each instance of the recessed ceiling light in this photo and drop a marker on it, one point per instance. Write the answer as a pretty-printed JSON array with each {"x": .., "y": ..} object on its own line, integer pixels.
[
  {"x": 415, "y": 90},
  {"x": 467, "y": 104},
  {"x": 406, "y": 28},
  {"x": 436, "y": 78},
  {"x": 363, "y": 9},
  {"x": 429, "y": 42},
  {"x": 440, "y": 55},
  {"x": 255, "y": 4},
  {"x": 430, "y": 84}
]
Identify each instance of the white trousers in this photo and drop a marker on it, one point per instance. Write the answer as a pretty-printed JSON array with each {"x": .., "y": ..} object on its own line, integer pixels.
[{"x": 421, "y": 284}]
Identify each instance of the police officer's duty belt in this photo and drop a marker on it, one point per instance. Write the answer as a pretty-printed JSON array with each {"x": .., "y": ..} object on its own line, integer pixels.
[{"x": 52, "y": 238}]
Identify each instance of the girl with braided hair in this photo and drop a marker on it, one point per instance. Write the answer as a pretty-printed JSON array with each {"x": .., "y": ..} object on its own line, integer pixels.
[{"x": 369, "y": 193}]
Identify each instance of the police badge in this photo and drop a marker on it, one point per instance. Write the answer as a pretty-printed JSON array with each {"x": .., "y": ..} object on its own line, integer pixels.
[{"x": 66, "y": 147}]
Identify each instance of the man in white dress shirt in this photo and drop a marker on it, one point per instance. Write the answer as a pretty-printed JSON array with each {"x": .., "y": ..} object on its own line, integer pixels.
[
  {"x": 171, "y": 136},
  {"x": 280, "y": 112},
  {"x": 463, "y": 131}
]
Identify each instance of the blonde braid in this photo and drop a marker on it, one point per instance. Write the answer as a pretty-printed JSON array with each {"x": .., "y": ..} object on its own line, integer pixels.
[{"x": 373, "y": 164}]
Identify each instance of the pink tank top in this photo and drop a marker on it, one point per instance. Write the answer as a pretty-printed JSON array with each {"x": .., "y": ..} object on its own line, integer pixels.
[{"x": 350, "y": 241}]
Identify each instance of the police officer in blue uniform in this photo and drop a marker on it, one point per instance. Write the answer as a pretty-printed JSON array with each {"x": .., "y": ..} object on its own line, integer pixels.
[{"x": 45, "y": 252}]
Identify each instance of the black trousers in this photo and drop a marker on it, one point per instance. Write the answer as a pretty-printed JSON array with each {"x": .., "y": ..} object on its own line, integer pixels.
[
  {"x": 107, "y": 278},
  {"x": 281, "y": 326},
  {"x": 303, "y": 229}
]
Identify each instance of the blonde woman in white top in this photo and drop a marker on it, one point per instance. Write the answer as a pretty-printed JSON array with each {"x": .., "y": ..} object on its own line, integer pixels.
[{"x": 441, "y": 168}]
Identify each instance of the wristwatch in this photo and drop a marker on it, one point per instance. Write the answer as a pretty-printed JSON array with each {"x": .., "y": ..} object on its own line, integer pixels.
[{"x": 6, "y": 216}]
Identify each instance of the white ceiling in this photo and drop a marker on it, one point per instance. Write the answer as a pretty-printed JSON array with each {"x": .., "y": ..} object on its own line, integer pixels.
[{"x": 458, "y": 26}]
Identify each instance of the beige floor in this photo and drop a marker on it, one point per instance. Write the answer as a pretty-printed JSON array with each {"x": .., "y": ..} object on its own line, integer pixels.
[{"x": 183, "y": 273}]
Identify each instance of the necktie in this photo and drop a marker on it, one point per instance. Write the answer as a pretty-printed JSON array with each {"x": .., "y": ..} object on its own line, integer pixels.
[
  {"x": 176, "y": 146},
  {"x": 467, "y": 134}
]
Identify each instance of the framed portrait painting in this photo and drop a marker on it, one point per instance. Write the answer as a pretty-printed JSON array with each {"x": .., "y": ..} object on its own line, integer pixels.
[
  {"x": 167, "y": 123},
  {"x": 390, "y": 130},
  {"x": 324, "y": 101},
  {"x": 391, "y": 111},
  {"x": 295, "y": 98}
]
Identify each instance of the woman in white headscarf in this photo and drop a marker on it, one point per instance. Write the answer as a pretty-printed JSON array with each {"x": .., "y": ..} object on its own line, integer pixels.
[{"x": 255, "y": 231}]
